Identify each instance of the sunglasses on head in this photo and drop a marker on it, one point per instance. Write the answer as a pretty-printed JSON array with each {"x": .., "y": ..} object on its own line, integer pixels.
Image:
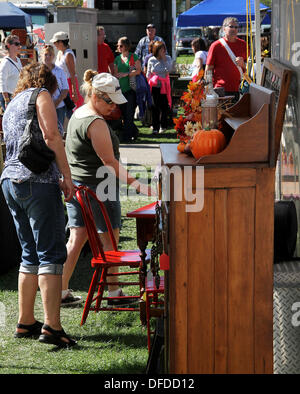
[
  {"x": 233, "y": 27},
  {"x": 107, "y": 100},
  {"x": 17, "y": 44}
]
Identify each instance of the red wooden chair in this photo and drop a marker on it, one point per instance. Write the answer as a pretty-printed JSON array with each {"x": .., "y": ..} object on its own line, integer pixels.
[{"x": 103, "y": 260}]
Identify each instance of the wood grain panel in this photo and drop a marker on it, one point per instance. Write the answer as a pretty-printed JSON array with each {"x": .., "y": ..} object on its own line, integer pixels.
[
  {"x": 201, "y": 287},
  {"x": 221, "y": 281},
  {"x": 263, "y": 296},
  {"x": 178, "y": 295},
  {"x": 228, "y": 178},
  {"x": 241, "y": 204}
]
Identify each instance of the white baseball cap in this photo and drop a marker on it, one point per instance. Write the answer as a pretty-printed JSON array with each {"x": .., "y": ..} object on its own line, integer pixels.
[
  {"x": 59, "y": 36},
  {"x": 107, "y": 83}
]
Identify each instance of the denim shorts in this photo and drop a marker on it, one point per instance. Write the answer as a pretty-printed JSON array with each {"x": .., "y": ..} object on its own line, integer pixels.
[
  {"x": 38, "y": 214},
  {"x": 113, "y": 208}
]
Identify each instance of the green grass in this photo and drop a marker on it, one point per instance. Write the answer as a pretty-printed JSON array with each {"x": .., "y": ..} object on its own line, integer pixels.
[
  {"x": 147, "y": 137},
  {"x": 185, "y": 59},
  {"x": 108, "y": 343}
]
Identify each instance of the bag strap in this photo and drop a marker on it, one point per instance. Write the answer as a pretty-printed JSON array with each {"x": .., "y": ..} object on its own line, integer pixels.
[
  {"x": 131, "y": 60},
  {"x": 231, "y": 55},
  {"x": 13, "y": 63},
  {"x": 32, "y": 104}
]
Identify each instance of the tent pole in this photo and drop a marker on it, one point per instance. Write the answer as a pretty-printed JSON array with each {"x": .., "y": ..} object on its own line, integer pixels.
[
  {"x": 257, "y": 42},
  {"x": 173, "y": 29}
]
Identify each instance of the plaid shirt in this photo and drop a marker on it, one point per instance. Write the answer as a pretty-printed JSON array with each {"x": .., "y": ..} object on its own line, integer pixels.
[{"x": 142, "y": 48}]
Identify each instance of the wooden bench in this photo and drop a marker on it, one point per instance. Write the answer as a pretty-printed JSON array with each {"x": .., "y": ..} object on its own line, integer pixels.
[{"x": 251, "y": 115}]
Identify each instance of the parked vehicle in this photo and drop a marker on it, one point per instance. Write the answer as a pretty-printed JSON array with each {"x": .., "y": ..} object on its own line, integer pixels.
[{"x": 184, "y": 38}]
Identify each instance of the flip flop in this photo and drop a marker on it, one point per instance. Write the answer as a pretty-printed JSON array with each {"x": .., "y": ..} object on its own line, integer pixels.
[
  {"x": 33, "y": 330},
  {"x": 56, "y": 337}
]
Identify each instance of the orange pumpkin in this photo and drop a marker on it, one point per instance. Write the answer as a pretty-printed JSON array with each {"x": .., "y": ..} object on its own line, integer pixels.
[
  {"x": 181, "y": 146},
  {"x": 207, "y": 142},
  {"x": 187, "y": 149}
]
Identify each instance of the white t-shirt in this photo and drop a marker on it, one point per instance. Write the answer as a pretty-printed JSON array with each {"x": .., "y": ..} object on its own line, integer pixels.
[
  {"x": 62, "y": 83},
  {"x": 198, "y": 55},
  {"x": 9, "y": 74},
  {"x": 61, "y": 61}
]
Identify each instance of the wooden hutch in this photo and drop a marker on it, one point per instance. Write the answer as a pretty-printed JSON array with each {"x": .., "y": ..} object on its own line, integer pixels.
[{"x": 219, "y": 289}]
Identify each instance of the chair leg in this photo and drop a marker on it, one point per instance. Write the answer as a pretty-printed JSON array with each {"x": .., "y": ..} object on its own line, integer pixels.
[
  {"x": 101, "y": 289},
  {"x": 90, "y": 296},
  {"x": 148, "y": 301},
  {"x": 143, "y": 317}
]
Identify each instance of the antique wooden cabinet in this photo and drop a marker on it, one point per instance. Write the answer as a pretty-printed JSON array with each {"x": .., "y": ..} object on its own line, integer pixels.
[{"x": 219, "y": 289}]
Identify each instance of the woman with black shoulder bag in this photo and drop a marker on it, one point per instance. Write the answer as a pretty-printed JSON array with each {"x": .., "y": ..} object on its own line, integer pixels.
[{"x": 35, "y": 202}]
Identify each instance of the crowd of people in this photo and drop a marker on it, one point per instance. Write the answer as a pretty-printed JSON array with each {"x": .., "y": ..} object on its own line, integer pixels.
[
  {"x": 226, "y": 59},
  {"x": 35, "y": 200}
]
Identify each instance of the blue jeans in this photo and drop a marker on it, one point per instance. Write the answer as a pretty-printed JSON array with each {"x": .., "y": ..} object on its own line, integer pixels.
[
  {"x": 2, "y": 101},
  {"x": 113, "y": 207},
  {"x": 128, "y": 110},
  {"x": 38, "y": 214},
  {"x": 61, "y": 114}
]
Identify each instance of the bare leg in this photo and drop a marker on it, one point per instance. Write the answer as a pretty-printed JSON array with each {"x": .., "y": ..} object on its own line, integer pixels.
[
  {"x": 28, "y": 285},
  {"x": 50, "y": 286},
  {"x": 78, "y": 237}
]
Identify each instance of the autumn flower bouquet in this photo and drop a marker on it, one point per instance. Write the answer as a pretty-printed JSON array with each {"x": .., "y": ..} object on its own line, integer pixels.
[{"x": 186, "y": 125}]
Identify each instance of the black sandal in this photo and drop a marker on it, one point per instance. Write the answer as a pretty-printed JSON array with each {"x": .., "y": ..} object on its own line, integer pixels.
[
  {"x": 56, "y": 337},
  {"x": 33, "y": 330}
]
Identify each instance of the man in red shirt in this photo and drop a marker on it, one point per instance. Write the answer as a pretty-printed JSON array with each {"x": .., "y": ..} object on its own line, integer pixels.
[
  {"x": 227, "y": 71},
  {"x": 105, "y": 55}
]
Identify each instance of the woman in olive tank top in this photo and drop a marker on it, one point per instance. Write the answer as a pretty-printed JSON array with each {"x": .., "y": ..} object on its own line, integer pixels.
[{"x": 92, "y": 149}]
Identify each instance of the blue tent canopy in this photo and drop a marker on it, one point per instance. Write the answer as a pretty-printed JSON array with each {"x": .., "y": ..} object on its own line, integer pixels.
[
  {"x": 11, "y": 17},
  {"x": 213, "y": 12}
]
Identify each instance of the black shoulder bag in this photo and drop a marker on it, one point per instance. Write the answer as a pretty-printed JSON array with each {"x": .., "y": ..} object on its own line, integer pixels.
[
  {"x": 33, "y": 151},
  {"x": 69, "y": 103}
]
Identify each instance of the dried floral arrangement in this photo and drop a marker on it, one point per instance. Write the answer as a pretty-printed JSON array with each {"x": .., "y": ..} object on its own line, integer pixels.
[{"x": 193, "y": 138}]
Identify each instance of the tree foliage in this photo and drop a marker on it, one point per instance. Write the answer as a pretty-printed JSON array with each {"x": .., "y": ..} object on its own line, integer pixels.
[
  {"x": 268, "y": 3},
  {"x": 74, "y": 3}
]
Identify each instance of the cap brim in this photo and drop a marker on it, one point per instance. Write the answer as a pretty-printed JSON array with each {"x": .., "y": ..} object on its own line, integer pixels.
[
  {"x": 53, "y": 40},
  {"x": 117, "y": 98}
]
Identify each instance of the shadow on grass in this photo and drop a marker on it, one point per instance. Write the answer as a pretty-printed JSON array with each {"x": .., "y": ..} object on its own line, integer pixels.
[
  {"x": 9, "y": 280},
  {"x": 125, "y": 239},
  {"x": 83, "y": 272},
  {"x": 111, "y": 340}
]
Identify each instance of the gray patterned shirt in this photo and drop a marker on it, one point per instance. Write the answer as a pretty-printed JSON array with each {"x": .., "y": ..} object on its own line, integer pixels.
[
  {"x": 13, "y": 124},
  {"x": 142, "y": 48}
]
